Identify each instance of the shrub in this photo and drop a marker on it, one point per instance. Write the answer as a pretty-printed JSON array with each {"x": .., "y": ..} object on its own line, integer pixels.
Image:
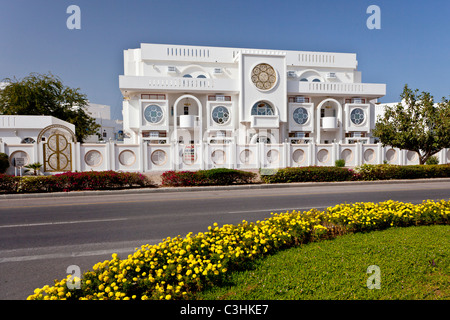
[
  {"x": 309, "y": 174},
  {"x": 370, "y": 171},
  {"x": 74, "y": 181},
  {"x": 220, "y": 176},
  {"x": 179, "y": 267},
  {"x": 4, "y": 162},
  {"x": 389, "y": 171},
  {"x": 223, "y": 176},
  {"x": 8, "y": 183},
  {"x": 432, "y": 160},
  {"x": 339, "y": 163}
]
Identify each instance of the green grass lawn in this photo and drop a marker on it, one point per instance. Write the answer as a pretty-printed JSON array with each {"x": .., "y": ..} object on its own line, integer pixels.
[{"x": 414, "y": 263}]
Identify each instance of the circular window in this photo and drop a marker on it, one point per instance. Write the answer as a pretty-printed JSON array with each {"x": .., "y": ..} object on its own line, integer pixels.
[
  {"x": 246, "y": 156},
  {"x": 221, "y": 115},
  {"x": 127, "y": 158},
  {"x": 298, "y": 156},
  {"x": 218, "y": 157},
  {"x": 153, "y": 113},
  {"x": 369, "y": 155},
  {"x": 273, "y": 156},
  {"x": 322, "y": 155},
  {"x": 391, "y": 155},
  {"x": 300, "y": 115},
  {"x": 158, "y": 157},
  {"x": 264, "y": 76},
  {"x": 93, "y": 158},
  {"x": 347, "y": 155},
  {"x": 357, "y": 116}
]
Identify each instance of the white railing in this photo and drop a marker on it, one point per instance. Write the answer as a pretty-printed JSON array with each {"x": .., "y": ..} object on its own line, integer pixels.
[
  {"x": 177, "y": 83},
  {"x": 180, "y": 83},
  {"x": 366, "y": 89}
]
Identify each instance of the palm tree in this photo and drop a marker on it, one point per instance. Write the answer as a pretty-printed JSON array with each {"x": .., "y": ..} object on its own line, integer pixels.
[{"x": 35, "y": 166}]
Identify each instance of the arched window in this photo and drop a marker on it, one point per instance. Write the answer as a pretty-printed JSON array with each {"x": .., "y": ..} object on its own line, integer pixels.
[
  {"x": 316, "y": 80},
  {"x": 304, "y": 79},
  {"x": 262, "y": 108},
  {"x": 202, "y": 76},
  {"x": 187, "y": 76},
  {"x": 28, "y": 140}
]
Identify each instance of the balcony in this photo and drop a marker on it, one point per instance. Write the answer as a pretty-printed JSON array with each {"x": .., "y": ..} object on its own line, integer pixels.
[
  {"x": 177, "y": 84},
  {"x": 328, "y": 123},
  {"x": 188, "y": 121},
  {"x": 371, "y": 90},
  {"x": 265, "y": 122}
]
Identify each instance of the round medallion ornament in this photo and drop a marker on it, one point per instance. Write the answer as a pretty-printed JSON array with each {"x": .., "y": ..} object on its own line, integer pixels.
[
  {"x": 153, "y": 113},
  {"x": 264, "y": 76},
  {"x": 300, "y": 115},
  {"x": 93, "y": 158},
  {"x": 357, "y": 116}
]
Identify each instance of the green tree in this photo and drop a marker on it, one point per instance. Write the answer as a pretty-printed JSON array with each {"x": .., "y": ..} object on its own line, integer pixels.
[
  {"x": 418, "y": 124},
  {"x": 4, "y": 162},
  {"x": 45, "y": 94}
]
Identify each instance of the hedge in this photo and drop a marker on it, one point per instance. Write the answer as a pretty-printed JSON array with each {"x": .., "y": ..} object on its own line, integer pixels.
[
  {"x": 73, "y": 181},
  {"x": 306, "y": 174},
  {"x": 219, "y": 176},
  {"x": 389, "y": 171},
  {"x": 364, "y": 172},
  {"x": 107, "y": 180}
]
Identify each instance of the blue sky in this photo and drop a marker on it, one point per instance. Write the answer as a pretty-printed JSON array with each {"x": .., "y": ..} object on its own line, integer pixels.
[{"x": 412, "y": 47}]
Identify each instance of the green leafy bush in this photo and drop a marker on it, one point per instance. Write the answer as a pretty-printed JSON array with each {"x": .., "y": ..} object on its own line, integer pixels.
[
  {"x": 307, "y": 174},
  {"x": 4, "y": 162},
  {"x": 389, "y": 171},
  {"x": 220, "y": 176},
  {"x": 340, "y": 163},
  {"x": 223, "y": 176}
]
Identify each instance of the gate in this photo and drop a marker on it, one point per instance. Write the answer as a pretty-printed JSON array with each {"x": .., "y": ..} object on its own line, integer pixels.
[{"x": 57, "y": 154}]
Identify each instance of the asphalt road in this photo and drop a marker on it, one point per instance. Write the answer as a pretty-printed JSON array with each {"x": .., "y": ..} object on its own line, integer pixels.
[{"x": 41, "y": 237}]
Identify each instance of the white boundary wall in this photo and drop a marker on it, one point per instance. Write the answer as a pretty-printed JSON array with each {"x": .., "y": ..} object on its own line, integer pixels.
[{"x": 164, "y": 157}]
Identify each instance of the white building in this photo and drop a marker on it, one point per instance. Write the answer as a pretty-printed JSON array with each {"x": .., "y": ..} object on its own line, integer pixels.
[
  {"x": 211, "y": 93},
  {"x": 109, "y": 128}
]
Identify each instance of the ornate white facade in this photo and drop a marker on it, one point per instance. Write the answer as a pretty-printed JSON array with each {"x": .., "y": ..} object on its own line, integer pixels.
[{"x": 189, "y": 94}]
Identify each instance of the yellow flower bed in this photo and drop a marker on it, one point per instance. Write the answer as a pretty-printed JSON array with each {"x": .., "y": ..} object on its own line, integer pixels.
[{"x": 178, "y": 267}]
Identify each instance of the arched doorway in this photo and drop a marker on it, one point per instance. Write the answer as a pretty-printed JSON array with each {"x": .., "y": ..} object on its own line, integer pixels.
[
  {"x": 329, "y": 121},
  {"x": 57, "y": 148},
  {"x": 188, "y": 114}
]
